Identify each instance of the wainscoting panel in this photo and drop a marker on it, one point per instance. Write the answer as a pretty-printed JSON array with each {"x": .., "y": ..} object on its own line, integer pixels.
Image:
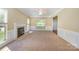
[
  {"x": 46, "y": 28},
  {"x": 11, "y": 34},
  {"x": 70, "y": 36},
  {"x": 10, "y": 37}
]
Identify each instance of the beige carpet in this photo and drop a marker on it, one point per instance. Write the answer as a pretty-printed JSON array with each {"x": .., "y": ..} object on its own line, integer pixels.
[{"x": 40, "y": 41}]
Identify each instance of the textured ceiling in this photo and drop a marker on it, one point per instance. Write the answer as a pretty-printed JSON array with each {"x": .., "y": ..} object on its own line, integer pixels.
[{"x": 37, "y": 12}]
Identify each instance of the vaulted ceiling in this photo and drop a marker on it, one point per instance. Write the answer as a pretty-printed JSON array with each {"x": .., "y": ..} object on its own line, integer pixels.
[{"x": 38, "y": 12}]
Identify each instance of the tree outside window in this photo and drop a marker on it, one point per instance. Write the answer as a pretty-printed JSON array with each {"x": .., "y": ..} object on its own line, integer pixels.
[{"x": 2, "y": 25}]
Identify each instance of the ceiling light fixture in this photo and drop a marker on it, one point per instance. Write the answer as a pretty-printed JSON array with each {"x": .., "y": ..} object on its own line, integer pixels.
[{"x": 40, "y": 11}]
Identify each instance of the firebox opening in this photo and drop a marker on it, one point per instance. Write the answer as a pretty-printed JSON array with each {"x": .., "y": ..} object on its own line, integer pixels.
[{"x": 20, "y": 31}]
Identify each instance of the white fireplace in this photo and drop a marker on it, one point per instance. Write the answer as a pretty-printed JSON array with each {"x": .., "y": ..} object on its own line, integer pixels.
[{"x": 19, "y": 25}]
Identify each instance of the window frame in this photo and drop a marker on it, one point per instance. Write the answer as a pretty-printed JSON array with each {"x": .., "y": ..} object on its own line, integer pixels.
[{"x": 4, "y": 23}]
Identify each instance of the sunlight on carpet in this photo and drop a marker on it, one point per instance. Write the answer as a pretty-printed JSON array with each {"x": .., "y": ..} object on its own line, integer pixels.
[{"x": 5, "y": 49}]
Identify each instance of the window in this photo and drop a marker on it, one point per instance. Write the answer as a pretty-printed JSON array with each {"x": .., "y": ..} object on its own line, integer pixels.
[
  {"x": 3, "y": 24},
  {"x": 28, "y": 24},
  {"x": 40, "y": 24}
]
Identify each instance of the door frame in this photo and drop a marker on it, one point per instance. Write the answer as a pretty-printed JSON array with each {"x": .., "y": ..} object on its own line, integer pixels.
[{"x": 55, "y": 18}]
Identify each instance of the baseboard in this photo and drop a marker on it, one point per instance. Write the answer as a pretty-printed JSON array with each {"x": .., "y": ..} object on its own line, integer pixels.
[
  {"x": 70, "y": 36},
  {"x": 5, "y": 43}
]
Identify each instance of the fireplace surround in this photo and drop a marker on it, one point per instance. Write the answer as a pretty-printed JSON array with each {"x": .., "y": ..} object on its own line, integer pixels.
[{"x": 19, "y": 29}]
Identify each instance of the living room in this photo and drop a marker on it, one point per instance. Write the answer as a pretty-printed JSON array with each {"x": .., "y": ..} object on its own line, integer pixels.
[{"x": 21, "y": 23}]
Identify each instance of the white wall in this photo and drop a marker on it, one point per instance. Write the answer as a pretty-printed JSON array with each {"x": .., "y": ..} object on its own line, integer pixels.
[
  {"x": 68, "y": 29},
  {"x": 70, "y": 36}
]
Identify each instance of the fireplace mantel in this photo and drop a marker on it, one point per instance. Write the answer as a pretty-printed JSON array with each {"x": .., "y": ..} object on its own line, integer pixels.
[{"x": 19, "y": 25}]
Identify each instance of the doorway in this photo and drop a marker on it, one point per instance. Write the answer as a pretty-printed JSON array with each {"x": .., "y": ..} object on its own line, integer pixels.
[{"x": 55, "y": 23}]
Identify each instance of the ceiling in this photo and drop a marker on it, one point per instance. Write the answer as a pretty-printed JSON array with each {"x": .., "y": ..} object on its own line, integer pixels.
[{"x": 38, "y": 12}]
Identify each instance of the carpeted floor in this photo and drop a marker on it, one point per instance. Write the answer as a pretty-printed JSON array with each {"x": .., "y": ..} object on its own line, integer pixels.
[{"x": 39, "y": 41}]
